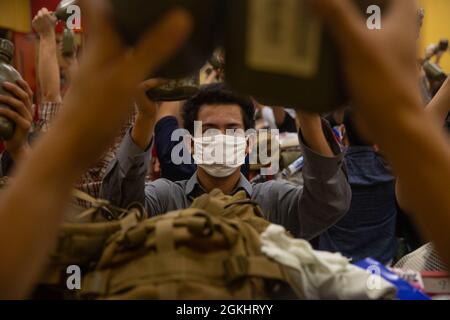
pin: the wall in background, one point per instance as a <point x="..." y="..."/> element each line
<point x="436" y="26"/>
<point x="15" y="15"/>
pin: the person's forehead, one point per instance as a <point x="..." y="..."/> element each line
<point x="221" y="113"/>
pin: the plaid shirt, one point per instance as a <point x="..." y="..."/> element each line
<point x="91" y="181"/>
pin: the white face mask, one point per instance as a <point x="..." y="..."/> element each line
<point x="220" y="155"/>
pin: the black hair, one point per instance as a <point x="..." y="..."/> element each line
<point x="217" y="94"/>
<point x="353" y="136"/>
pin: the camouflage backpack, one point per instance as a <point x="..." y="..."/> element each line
<point x="210" y="251"/>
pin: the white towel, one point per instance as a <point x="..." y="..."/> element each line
<point x="324" y="275"/>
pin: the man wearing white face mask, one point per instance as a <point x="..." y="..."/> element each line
<point x="220" y="155"/>
<point x="219" y="150"/>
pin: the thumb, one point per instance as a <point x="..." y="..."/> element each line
<point x="101" y="34"/>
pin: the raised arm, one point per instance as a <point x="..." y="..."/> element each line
<point x="326" y="194"/>
<point x="48" y="70"/>
<point x="439" y="107"/>
<point x="389" y="106"/>
<point x="124" y="181"/>
<point x="105" y="85"/>
<point x="324" y="197"/>
<point x="313" y="133"/>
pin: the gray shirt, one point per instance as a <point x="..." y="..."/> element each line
<point x="305" y="210"/>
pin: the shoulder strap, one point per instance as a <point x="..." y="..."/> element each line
<point x="113" y="212"/>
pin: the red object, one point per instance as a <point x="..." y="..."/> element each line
<point x="25" y="49"/>
<point x="25" y="60"/>
<point x="37" y="5"/>
<point x="436" y="283"/>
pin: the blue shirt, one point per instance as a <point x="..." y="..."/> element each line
<point x="164" y="147"/>
<point x="368" y="229"/>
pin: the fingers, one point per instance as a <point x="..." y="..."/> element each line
<point x="404" y="13"/>
<point x="17" y="105"/>
<point x="159" y="44"/>
<point x="343" y="15"/>
<point x="21" y="123"/>
<point x="402" y="24"/>
<point x="22" y="104"/>
<point x="101" y="35"/>
<point x="343" y="18"/>
<point x="40" y="14"/>
<point x="44" y="13"/>
<point x="24" y="85"/>
<point x="18" y="92"/>
<point x="22" y="115"/>
<point x="402" y="19"/>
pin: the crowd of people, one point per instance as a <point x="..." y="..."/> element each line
<point x="381" y="160"/>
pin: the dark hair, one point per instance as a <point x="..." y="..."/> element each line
<point x="217" y="94"/>
<point x="353" y="136"/>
